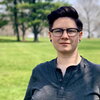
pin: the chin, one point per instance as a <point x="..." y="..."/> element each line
<point x="65" y="51"/>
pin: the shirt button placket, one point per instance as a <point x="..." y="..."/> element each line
<point x="61" y="92"/>
<point x="60" y="80"/>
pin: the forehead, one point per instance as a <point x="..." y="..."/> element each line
<point x="64" y="22"/>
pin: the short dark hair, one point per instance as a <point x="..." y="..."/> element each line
<point x="65" y="11"/>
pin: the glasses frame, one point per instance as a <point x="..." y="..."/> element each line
<point x="67" y="31"/>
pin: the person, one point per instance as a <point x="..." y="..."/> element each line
<point x="69" y="76"/>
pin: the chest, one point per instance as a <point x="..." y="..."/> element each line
<point x="48" y="92"/>
<point x="73" y="86"/>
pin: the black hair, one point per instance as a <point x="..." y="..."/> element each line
<point x="65" y="11"/>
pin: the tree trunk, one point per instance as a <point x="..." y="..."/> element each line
<point x="89" y="33"/>
<point x="88" y="23"/>
<point x="16" y="20"/>
<point x="34" y="26"/>
<point x="23" y="32"/>
<point x="35" y="34"/>
<point x="23" y="28"/>
<point x="36" y="38"/>
<point x="32" y="1"/>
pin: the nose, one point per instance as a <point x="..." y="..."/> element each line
<point x="65" y="35"/>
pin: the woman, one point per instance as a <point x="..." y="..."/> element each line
<point x="69" y="76"/>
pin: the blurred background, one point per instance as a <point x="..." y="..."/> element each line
<point x="27" y="18"/>
<point x="24" y="41"/>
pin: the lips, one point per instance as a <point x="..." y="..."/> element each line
<point x="64" y="43"/>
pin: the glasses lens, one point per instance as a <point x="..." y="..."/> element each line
<point x="57" y="32"/>
<point x="72" y="31"/>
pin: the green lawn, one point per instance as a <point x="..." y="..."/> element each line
<point x="17" y="59"/>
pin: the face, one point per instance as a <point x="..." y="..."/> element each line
<point x="65" y="43"/>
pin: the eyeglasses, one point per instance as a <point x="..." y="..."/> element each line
<point x="59" y="31"/>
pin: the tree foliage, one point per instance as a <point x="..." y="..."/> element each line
<point x="30" y="14"/>
<point x="3" y="20"/>
<point x="89" y="11"/>
<point x="36" y="14"/>
<point x="3" y="17"/>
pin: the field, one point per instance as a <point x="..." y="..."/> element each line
<point x="17" y="59"/>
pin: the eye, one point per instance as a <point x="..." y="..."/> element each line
<point x="72" y="30"/>
<point x="57" y="31"/>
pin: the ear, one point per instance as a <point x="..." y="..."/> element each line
<point x="80" y="35"/>
<point x="49" y="33"/>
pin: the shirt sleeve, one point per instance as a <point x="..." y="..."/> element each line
<point x="29" y="91"/>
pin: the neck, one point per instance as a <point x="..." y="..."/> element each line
<point x="66" y="60"/>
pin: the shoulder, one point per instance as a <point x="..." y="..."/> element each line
<point x="92" y="67"/>
<point x="43" y="71"/>
<point x="45" y="66"/>
<point x="91" y="72"/>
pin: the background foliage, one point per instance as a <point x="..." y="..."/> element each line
<point x="25" y="14"/>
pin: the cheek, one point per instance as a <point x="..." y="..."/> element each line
<point x="75" y="41"/>
<point x="55" y="42"/>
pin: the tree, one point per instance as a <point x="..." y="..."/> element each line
<point x="23" y="19"/>
<point x="15" y="13"/>
<point x="38" y="12"/>
<point x="3" y="20"/>
<point x="32" y="14"/>
<point x="89" y="13"/>
<point x="3" y="16"/>
<point x="12" y="14"/>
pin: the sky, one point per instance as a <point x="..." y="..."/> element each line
<point x="71" y="1"/>
<point x="1" y="7"/>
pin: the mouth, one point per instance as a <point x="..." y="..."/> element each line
<point x="64" y="43"/>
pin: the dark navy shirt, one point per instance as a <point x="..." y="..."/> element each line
<point x="81" y="82"/>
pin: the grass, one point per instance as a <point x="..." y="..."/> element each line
<point x="17" y="59"/>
